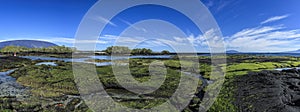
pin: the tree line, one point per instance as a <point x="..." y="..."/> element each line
<point x="64" y="49"/>
<point x="53" y="49"/>
<point x="136" y="51"/>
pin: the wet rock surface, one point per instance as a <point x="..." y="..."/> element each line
<point x="9" y="86"/>
<point x="269" y="91"/>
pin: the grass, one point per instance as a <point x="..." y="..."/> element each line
<point x="47" y="81"/>
<point x="57" y="81"/>
<point x="140" y="73"/>
<point x="293" y="63"/>
<point x="244" y="67"/>
<point x="139" y="70"/>
<point x="8" y="63"/>
<point x="203" y="68"/>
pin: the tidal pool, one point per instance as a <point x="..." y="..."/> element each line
<point x="47" y="63"/>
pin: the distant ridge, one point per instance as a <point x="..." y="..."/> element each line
<point x="232" y="51"/>
<point x="296" y="51"/>
<point x="27" y="43"/>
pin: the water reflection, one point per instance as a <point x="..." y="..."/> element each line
<point x="281" y="69"/>
<point x="85" y="60"/>
<point x="47" y="63"/>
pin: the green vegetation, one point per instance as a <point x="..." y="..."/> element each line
<point x="143" y="51"/>
<point x="55" y="83"/>
<point x="9" y="104"/>
<point x="137" y="51"/>
<point x="165" y="52"/>
<point x="13" y="49"/>
<point x="117" y="50"/>
<point x="139" y="70"/>
<point x="47" y="81"/>
<point x="240" y="65"/>
<point x="188" y="65"/>
<point x="54" y="49"/>
<point x="8" y="63"/>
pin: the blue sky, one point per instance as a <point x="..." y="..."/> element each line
<point x="247" y="25"/>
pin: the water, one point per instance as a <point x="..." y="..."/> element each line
<point x="47" y="63"/>
<point x="281" y="69"/>
<point x="97" y="57"/>
<point x="205" y="82"/>
<point x="79" y="60"/>
<point x="282" y="54"/>
<point x="84" y="60"/>
<point x="127" y="57"/>
<point x="101" y="64"/>
<point x="9" y="86"/>
<point x="55" y="59"/>
<point x="268" y="54"/>
<point x="3" y="75"/>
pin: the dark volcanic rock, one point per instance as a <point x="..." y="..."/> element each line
<point x="269" y="91"/>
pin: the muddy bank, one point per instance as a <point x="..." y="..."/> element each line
<point x="268" y="91"/>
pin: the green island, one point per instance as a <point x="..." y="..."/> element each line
<point x="52" y="88"/>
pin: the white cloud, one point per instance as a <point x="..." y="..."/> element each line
<point x="50" y="39"/>
<point x="275" y="18"/>
<point x="109" y="37"/>
<point x="264" y="39"/>
<point x="133" y="26"/>
<point x="257" y="39"/>
<point x="60" y="40"/>
<point x="256" y="31"/>
<point x="223" y="4"/>
<point x="189" y="43"/>
<point x="71" y="40"/>
<point x="105" y="21"/>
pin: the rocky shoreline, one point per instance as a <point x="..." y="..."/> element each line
<point x="268" y="91"/>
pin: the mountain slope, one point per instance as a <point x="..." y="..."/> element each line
<point x="297" y="51"/>
<point x="27" y="43"/>
<point x="232" y="51"/>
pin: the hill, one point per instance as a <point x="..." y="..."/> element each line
<point x="27" y="43"/>
<point x="296" y="51"/>
<point x="232" y="51"/>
